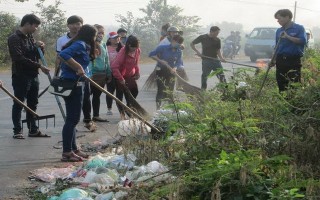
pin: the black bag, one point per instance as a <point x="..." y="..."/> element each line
<point x="62" y="87"/>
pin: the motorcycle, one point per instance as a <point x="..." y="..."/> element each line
<point x="228" y="50"/>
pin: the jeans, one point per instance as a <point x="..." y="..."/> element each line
<point x="25" y="87"/>
<point x="73" y="113"/>
<point x="209" y="65"/>
<point x="86" y="107"/>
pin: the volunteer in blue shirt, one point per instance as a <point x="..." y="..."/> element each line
<point x="76" y="55"/>
<point x="168" y="59"/>
<point x="290" y="49"/>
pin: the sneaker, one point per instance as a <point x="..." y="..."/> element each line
<point x="109" y="112"/>
<point x="91" y="126"/>
<point x="99" y="119"/>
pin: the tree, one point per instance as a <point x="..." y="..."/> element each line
<point x="8" y="24"/>
<point x="53" y="22"/>
<point x="157" y="14"/>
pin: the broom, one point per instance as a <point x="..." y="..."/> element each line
<point x="151" y="82"/>
<point x="182" y="73"/>
<point x="134" y="105"/>
<point x="128" y="109"/>
<point x="188" y="88"/>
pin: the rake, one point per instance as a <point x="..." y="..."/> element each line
<point x="38" y="117"/>
<point x="50" y="79"/>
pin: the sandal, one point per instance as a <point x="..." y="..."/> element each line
<point x="38" y="134"/>
<point x="18" y="136"/>
<point x="71" y="157"/>
<point x="81" y="154"/>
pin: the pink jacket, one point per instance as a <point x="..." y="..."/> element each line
<point x="125" y="65"/>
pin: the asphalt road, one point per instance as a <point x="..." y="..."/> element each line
<point x="19" y="157"/>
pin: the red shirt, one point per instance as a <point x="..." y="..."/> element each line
<point x="126" y="65"/>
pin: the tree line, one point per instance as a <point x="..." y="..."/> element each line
<point x="147" y="27"/>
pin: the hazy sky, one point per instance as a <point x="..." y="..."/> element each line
<point x="250" y="13"/>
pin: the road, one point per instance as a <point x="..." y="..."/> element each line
<point x="19" y="157"/>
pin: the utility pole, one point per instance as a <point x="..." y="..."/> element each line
<point x="295" y="11"/>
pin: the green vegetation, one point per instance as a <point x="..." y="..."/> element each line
<point x="238" y="145"/>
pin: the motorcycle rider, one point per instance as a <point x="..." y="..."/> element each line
<point x="237" y="42"/>
<point x="230" y="42"/>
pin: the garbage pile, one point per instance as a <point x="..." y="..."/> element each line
<point x="106" y="175"/>
<point x="102" y="177"/>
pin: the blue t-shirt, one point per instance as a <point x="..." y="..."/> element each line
<point x="79" y="51"/>
<point x="287" y="47"/>
<point x="169" y="54"/>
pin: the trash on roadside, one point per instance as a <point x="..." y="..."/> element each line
<point x="133" y="126"/>
<point x="51" y="174"/>
<point x="73" y="194"/>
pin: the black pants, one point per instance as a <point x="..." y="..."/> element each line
<point x="165" y="83"/>
<point x="131" y="83"/>
<point x="100" y="79"/>
<point x="288" y="70"/>
<point x="24" y="87"/>
<point x="86" y="102"/>
<point x="111" y="87"/>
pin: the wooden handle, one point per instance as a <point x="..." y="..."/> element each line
<point x="19" y="102"/>
<point x="121" y="103"/>
<point x="236" y="63"/>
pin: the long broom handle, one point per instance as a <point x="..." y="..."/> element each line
<point x="236" y="63"/>
<point x="269" y="66"/>
<point x="44" y="62"/>
<point x="19" y="102"/>
<point x="121" y="103"/>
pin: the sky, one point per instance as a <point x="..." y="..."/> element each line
<point x="250" y="13"/>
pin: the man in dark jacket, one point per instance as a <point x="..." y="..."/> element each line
<point x="25" y="70"/>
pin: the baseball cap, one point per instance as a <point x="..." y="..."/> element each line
<point x="113" y="35"/>
<point x="121" y="30"/>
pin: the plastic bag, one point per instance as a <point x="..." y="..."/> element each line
<point x="74" y="194"/>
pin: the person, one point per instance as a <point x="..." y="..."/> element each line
<point x="231" y="40"/>
<point x="123" y="35"/>
<point x="25" y="70"/>
<point x="75" y="56"/>
<point x="168" y="59"/>
<point x="74" y="23"/>
<point x="172" y="31"/>
<point x="211" y="50"/>
<point x="237" y="42"/>
<point x="113" y="47"/>
<point x="98" y="68"/>
<point x="292" y="38"/>
<point x="125" y="69"/>
<point x="164" y="31"/>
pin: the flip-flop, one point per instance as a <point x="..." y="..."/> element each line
<point x="39" y="134"/>
<point x="71" y="158"/>
<point x="18" y="136"/>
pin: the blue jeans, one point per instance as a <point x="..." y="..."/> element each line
<point x="209" y="65"/>
<point x="73" y="113"/>
<point x="24" y="87"/>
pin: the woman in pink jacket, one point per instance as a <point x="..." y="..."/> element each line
<point x="126" y="71"/>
